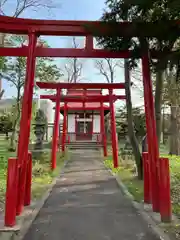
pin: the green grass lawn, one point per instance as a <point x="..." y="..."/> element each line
<point x="4" y="155"/>
<point x="127" y="176"/>
<point x="135" y="186"/>
<point x="175" y="183"/>
<point x="42" y="174"/>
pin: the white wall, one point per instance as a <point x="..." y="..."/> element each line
<point x="71" y="123"/>
<point x="96" y="124"/>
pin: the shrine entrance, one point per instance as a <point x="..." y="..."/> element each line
<point x="19" y="175"/>
<point x="84" y="126"/>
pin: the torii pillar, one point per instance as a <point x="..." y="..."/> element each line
<point x="113" y="130"/>
<point x="55" y="130"/>
<point x="103" y="133"/>
<point x="26" y="121"/>
<point x="153" y="150"/>
<point x="64" y="134"/>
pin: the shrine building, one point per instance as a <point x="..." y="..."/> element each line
<point x="84" y="118"/>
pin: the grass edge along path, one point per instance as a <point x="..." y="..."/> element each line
<point x="43" y="176"/>
<point x="128" y="177"/>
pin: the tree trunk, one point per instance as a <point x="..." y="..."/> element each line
<point x="175" y="131"/>
<point x="158" y="103"/>
<point x="174" y="147"/>
<point x="12" y="141"/>
<point x="12" y="138"/>
<point x="178" y="129"/>
<point x="2" y="40"/>
<point x="16" y="120"/>
<point x="7" y="136"/>
<point x="1" y="93"/>
<point x="131" y="133"/>
<point x="163" y="126"/>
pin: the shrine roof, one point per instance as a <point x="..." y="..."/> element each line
<point x="81" y="92"/>
<point x="89" y="106"/>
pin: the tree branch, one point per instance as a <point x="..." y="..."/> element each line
<point x="73" y="67"/>
<point x="99" y="64"/>
<point x="22" y="5"/>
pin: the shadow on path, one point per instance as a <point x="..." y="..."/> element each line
<point x="87" y="204"/>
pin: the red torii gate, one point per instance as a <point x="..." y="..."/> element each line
<point x="34" y="28"/>
<point x="90" y="98"/>
<point x="96" y="98"/>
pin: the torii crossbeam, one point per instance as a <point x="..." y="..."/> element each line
<point x="62" y="85"/>
<point x="91" y="98"/>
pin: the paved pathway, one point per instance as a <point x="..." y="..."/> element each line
<point x="86" y="204"/>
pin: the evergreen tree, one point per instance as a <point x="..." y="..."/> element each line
<point x="148" y="18"/>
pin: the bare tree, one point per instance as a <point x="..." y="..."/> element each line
<point x="131" y="132"/>
<point x="2" y="60"/>
<point x="107" y="68"/>
<point x="19" y="6"/>
<point x="73" y="66"/>
<point x="136" y="76"/>
<point x="171" y="98"/>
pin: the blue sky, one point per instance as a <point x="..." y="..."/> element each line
<point x="70" y="10"/>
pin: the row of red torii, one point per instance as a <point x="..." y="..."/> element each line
<point x="111" y="98"/>
<point x="18" y="192"/>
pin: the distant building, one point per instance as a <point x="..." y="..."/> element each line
<point x="6" y="105"/>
